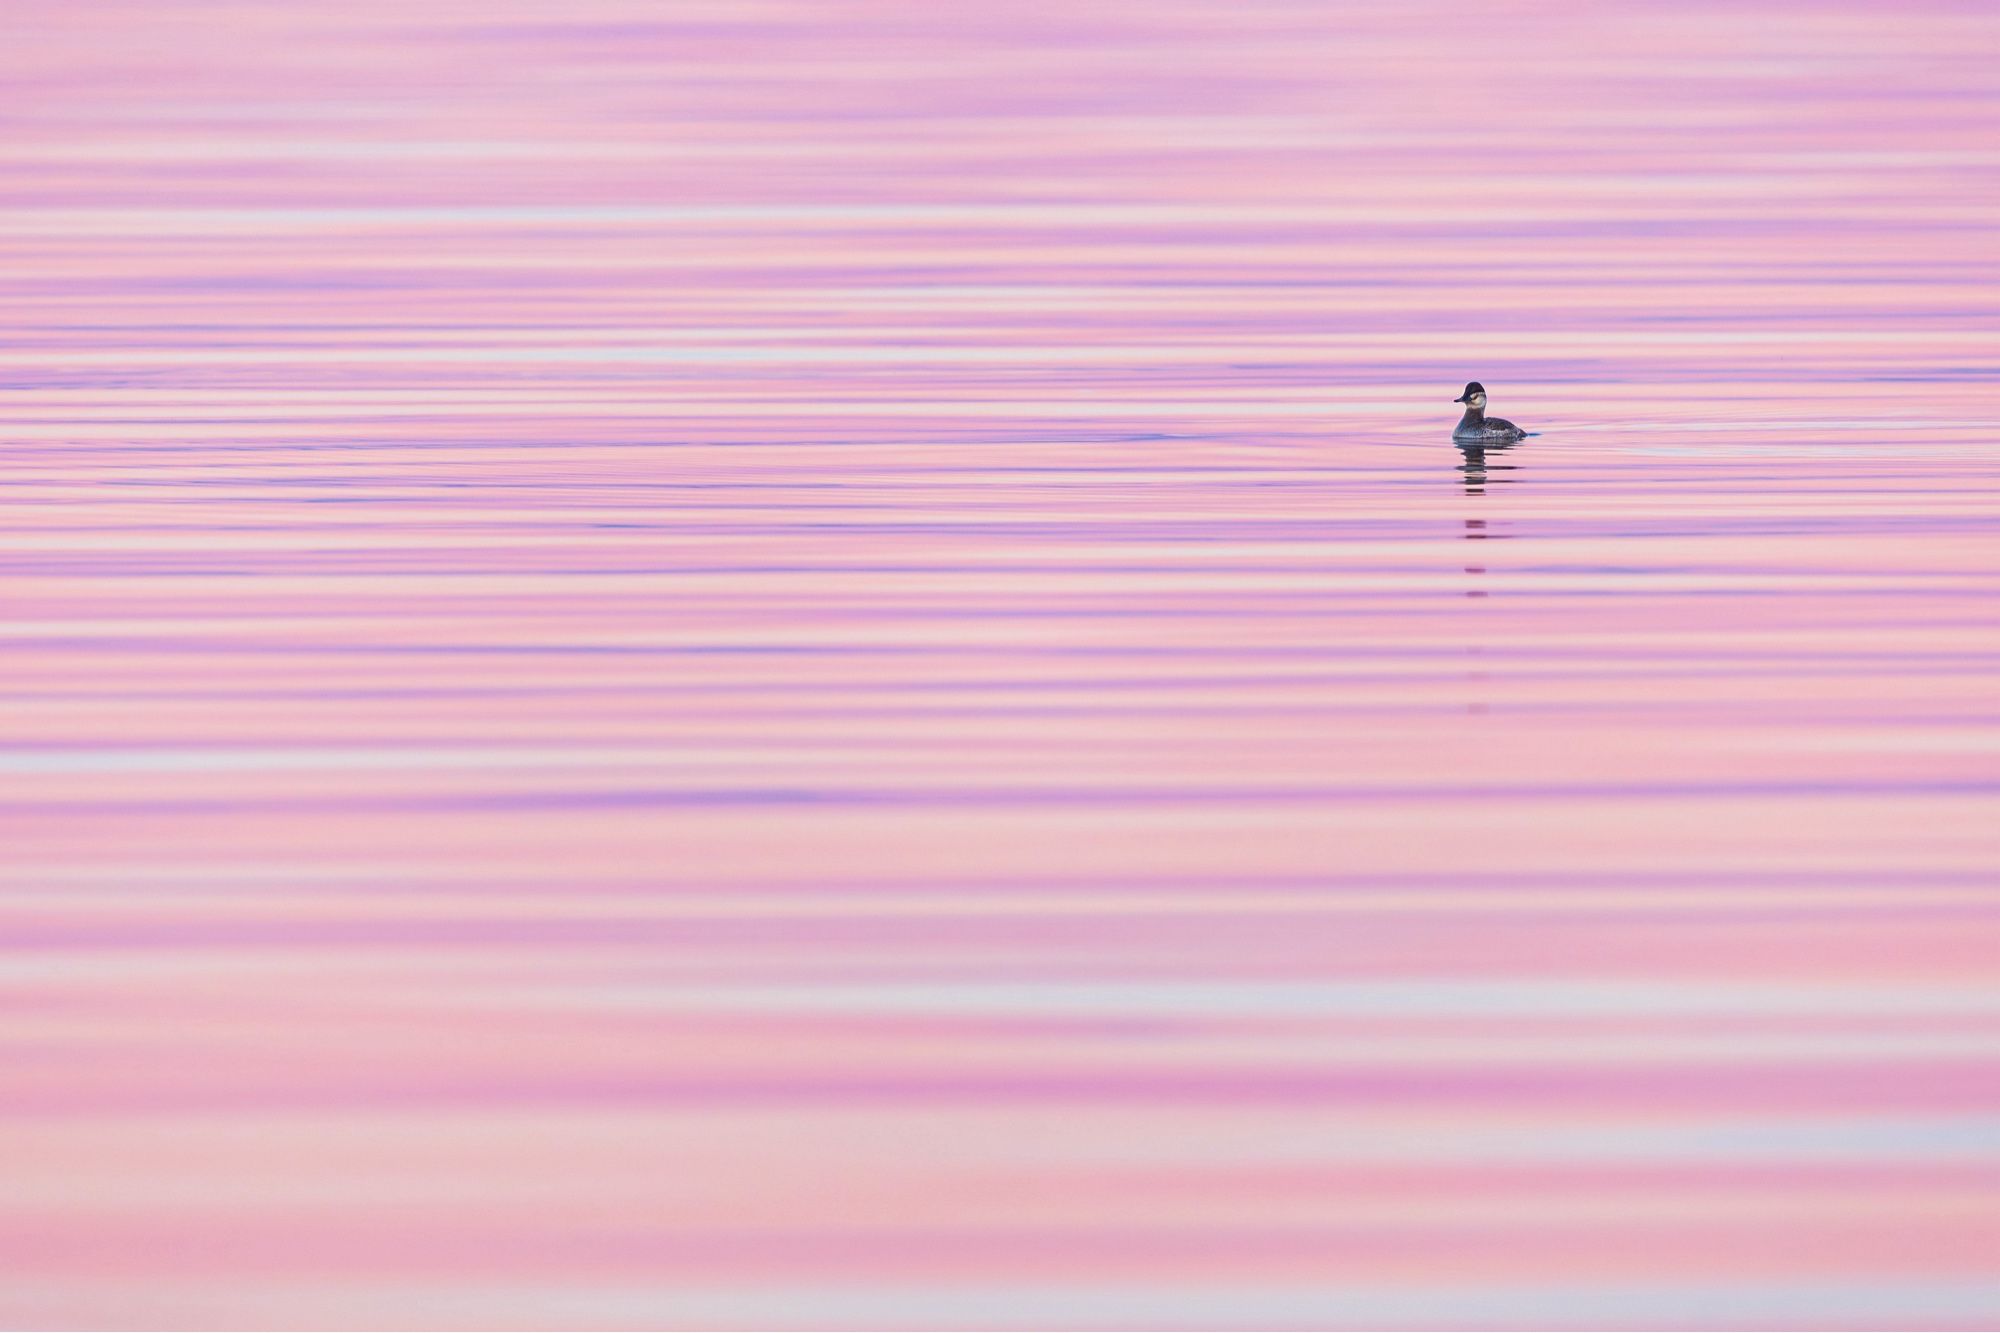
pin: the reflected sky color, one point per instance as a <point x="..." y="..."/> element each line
<point x="826" y="664"/>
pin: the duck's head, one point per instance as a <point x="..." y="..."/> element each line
<point x="1474" y="395"/>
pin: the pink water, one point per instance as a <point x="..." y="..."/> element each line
<point x="803" y="664"/>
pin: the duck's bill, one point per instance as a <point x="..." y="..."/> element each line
<point x="1464" y="397"/>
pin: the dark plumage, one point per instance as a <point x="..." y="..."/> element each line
<point x="1475" y="427"/>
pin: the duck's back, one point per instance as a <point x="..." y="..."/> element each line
<point x="1491" y="428"/>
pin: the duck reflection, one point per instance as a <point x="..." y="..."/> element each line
<point x="1479" y="464"/>
<point x="1477" y="467"/>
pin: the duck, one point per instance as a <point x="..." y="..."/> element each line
<point x="1475" y="427"/>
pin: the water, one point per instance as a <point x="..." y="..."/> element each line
<point x="798" y="664"/>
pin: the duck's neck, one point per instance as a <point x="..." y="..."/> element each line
<point x="1473" y="416"/>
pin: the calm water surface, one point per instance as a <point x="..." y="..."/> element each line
<point x="826" y="664"/>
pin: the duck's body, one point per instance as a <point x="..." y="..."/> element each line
<point x="1475" y="427"/>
